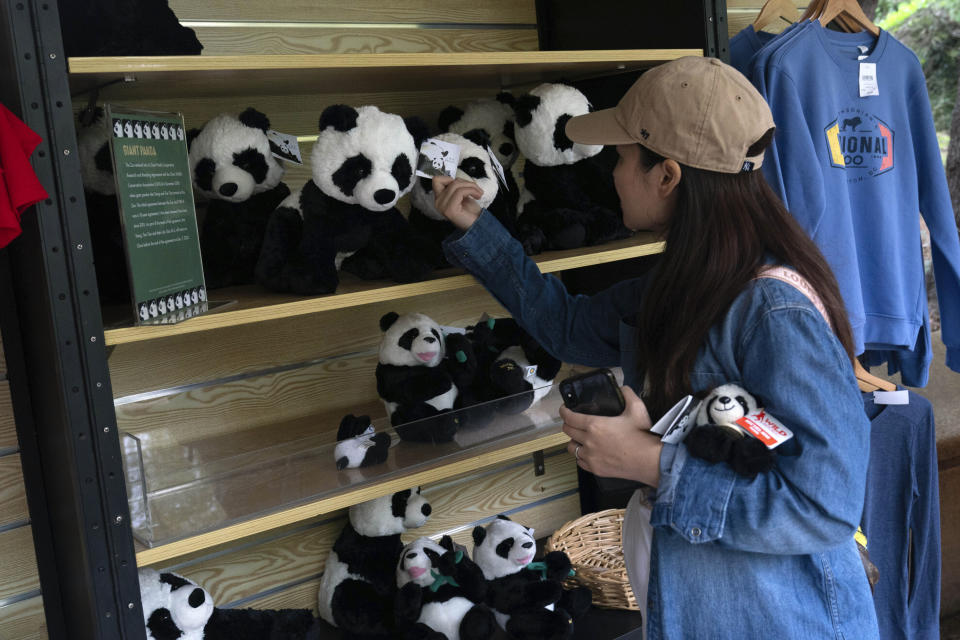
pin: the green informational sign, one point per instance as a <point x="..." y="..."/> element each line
<point x="159" y="221"/>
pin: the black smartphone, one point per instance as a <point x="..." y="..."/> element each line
<point x="595" y="392"/>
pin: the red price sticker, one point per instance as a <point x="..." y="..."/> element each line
<point x="765" y="428"/>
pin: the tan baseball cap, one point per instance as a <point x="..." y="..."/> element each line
<point x="698" y="111"/>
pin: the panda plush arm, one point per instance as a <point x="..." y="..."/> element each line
<point x="522" y="590"/>
<point x="411" y="384"/>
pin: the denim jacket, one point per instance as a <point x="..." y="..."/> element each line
<point x="771" y="557"/>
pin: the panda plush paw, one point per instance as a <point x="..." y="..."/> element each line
<point x="358" y="445"/>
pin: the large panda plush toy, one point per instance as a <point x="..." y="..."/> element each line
<point x="103" y="212"/>
<point x="441" y="591"/>
<point x="358" y="586"/>
<point x="575" y="202"/>
<point x="528" y="600"/>
<point x="240" y="180"/>
<point x="474" y="165"/>
<point x="420" y="376"/>
<point x="345" y="216"/>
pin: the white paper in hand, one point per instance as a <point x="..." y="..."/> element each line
<point x="438" y="158"/>
<point x="676" y="423"/>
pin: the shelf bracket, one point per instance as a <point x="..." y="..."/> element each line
<point x="539" y="464"/>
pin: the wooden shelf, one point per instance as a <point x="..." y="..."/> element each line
<point x="254" y="304"/>
<point x="194" y="76"/>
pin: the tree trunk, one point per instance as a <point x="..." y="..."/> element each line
<point x="869" y="8"/>
<point x="953" y="158"/>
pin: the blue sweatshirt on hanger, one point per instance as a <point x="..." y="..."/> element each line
<point x="745" y="45"/>
<point x="855" y="171"/>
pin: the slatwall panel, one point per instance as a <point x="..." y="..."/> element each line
<point x="19" y="568"/>
<point x="741" y="13"/>
<point x="8" y="434"/>
<point x="23" y="620"/>
<point x="13" y="499"/>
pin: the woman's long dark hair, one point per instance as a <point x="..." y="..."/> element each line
<point x="724" y="227"/>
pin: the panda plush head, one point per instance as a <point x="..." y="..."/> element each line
<point x="474" y="166"/>
<point x="503" y="547"/>
<point x="173" y="607"/>
<point x="93" y="145"/>
<point x="364" y="156"/>
<point x="410" y="340"/>
<point x="230" y="157"/>
<point x="492" y="117"/>
<point x="541" y="118"/>
<point x="416" y="561"/>
<point x="391" y="514"/>
<point x="725" y="405"/>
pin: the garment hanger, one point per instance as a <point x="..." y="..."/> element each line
<point x="869" y="382"/>
<point x="774" y="9"/>
<point x="847" y="12"/>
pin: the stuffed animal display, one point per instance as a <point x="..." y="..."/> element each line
<point x="358" y="444"/>
<point x="359" y="584"/>
<point x="234" y="170"/>
<point x="345" y="216"/>
<point x="717" y="438"/>
<point x="528" y="599"/>
<point x="441" y="591"/>
<point x="575" y="202"/>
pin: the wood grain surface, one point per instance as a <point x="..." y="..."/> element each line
<point x="18" y="562"/>
<point x="8" y="432"/>
<point x="13" y="497"/>
<point x="23" y="620"/>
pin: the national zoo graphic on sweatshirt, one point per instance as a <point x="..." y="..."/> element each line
<point x="860" y="141"/>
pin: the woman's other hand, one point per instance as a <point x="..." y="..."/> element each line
<point x="457" y="199"/>
<point x="617" y="447"/>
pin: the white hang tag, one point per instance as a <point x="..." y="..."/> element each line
<point x="284" y="146"/>
<point x="765" y="428"/>
<point x="891" y="397"/>
<point x="448" y="330"/>
<point x="497" y="167"/>
<point x="438" y="158"/>
<point x="676" y="423"/>
<point x="868" y="79"/>
<point x="530" y="372"/>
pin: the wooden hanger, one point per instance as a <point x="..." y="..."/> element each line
<point x="774" y="9"/>
<point x="869" y="382"/>
<point x="847" y="13"/>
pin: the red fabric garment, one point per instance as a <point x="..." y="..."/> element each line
<point x="19" y="186"/>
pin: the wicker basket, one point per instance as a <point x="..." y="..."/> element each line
<point x="594" y="545"/>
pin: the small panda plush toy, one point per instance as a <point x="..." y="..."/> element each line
<point x="575" y="202"/>
<point x="346" y="215"/>
<point x="420" y="374"/>
<point x="358" y="586"/>
<point x="240" y="179"/>
<point x="441" y="589"/>
<point x="717" y="438"/>
<point x="358" y="445"/>
<point x="103" y="213"/>
<point x="474" y="166"/>
<point x="528" y="599"/>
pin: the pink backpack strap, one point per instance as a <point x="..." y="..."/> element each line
<point x="798" y="282"/>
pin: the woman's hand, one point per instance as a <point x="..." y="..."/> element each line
<point x="618" y="447"/>
<point x="457" y="199"/>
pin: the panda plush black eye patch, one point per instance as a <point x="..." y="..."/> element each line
<point x="406" y="340"/>
<point x="560" y="139"/>
<point x="253" y="162"/>
<point x="203" y="174"/>
<point x="351" y="172"/>
<point x="474" y="167"/>
<point x="102" y="160"/>
<point x="503" y="549"/>
<point x="402" y="171"/>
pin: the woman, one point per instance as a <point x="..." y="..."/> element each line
<point x="767" y="557"/>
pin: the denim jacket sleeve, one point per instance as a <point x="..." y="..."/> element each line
<point x="576" y="329"/>
<point x="813" y="499"/>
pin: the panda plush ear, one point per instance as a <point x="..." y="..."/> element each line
<point x="191" y="136"/>
<point x="388" y="319"/>
<point x="448" y="116"/>
<point x="253" y="118"/>
<point x="500" y="516"/>
<point x="478" y="136"/>
<point x="524" y="108"/>
<point x="341" y="117"/>
<point x="479" y="533"/>
<point x="418" y="129"/>
<point x="447" y="543"/>
<point x="507" y="98"/>
<point x="399" y="503"/>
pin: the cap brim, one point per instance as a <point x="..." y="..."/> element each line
<point x="599" y="127"/>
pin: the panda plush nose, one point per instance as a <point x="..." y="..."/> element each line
<point x="228" y="189"/>
<point x="383" y="196"/>
<point x="426" y="509"/>
<point x="724" y="400"/>
<point x="506" y="149"/>
<point x="196" y="598"/>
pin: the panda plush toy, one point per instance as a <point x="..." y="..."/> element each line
<point x="575" y="202"/>
<point x="345" y="216"/>
<point x="717" y="438"/>
<point x="103" y="212"/>
<point x="528" y="599"/>
<point x="175" y="608"/>
<point x="236" y="174"/>
<point x="420" y="375"/>
<point x="358" y="586"/>
<point x="491" y="116"/>
<point x="474" y="165"/>
<point x="441" y="594"/>
<point x="358" y="444"/>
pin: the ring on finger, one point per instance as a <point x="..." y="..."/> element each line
<point x="576" y="452"/>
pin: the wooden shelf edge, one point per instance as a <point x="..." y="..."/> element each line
<point x="564" y="261"/>
<point x="300" y="513"/>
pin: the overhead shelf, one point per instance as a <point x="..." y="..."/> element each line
<point x="137" y="78"/>
<point x="254" y="304"/>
